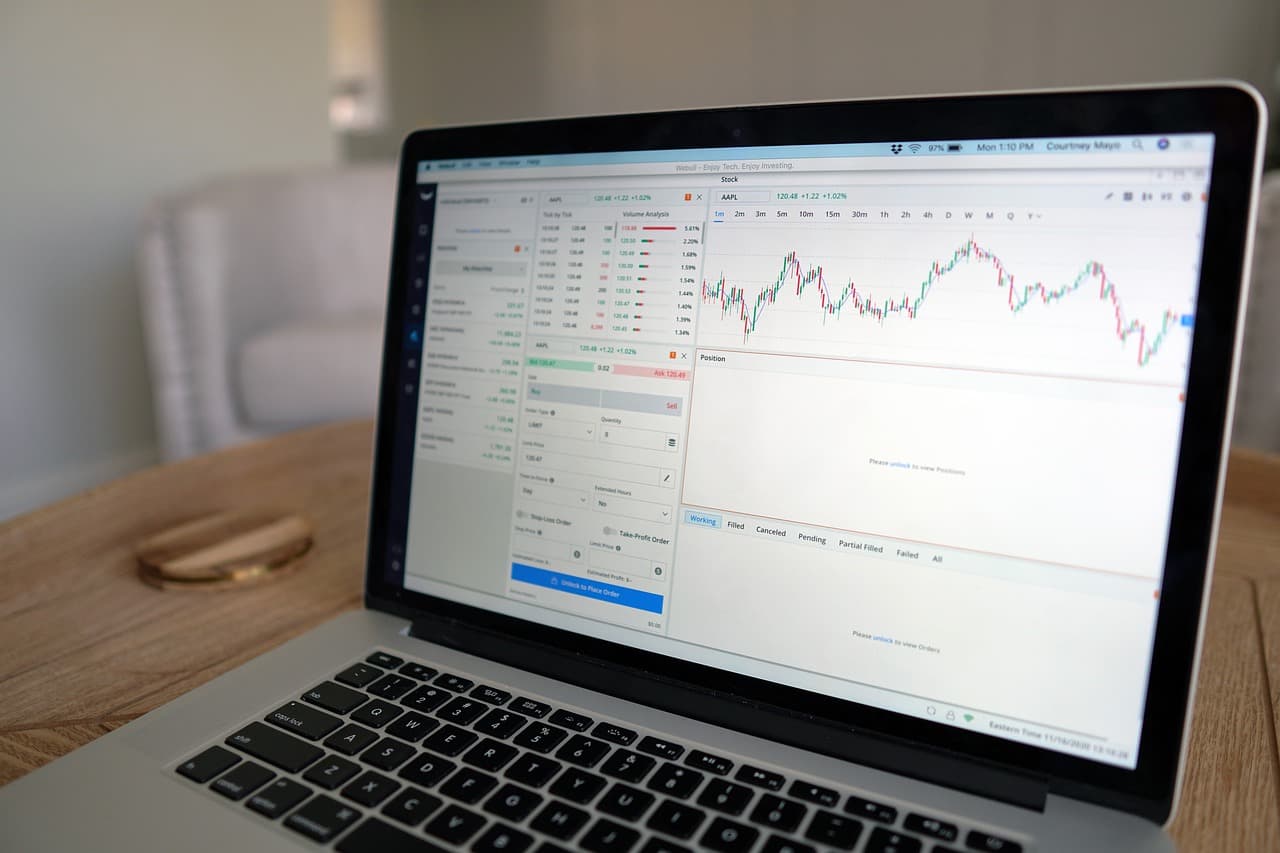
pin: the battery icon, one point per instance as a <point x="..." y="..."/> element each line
<point x="954" y="146"/>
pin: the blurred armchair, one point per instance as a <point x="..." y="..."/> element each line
<point x="262" y="302"/>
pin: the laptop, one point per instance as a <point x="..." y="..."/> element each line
<point x="836" y="476"/>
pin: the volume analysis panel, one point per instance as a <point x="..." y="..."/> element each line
<point x="618" y="265"/>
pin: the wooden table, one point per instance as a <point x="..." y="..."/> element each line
<point x="85" y="647"/>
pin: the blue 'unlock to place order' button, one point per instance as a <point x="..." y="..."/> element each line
<point x="639" y="599"/>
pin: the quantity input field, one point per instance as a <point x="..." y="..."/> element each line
<point x="648" y="439"/>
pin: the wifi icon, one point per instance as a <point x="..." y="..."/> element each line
<point x="913" y="147"/>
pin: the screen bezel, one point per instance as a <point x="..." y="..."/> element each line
<point x="1228" y="111"/>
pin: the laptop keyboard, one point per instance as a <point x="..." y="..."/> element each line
<point x="393" y="755"/>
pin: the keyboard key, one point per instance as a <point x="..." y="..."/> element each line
<point x="322" y="818"/>
<point x="832" y="830"/>
<point x="468" y="786"/>
<point x="391" y="686"/>
<point x="530" y="707"/>
<point x="302" y="720"/>
<point x="513" y="802"/>
<point x="570" y="720"/>
<point x="492" y="695"/>
<point x="884" y="840"/>
<point x="426" y="698"/>
<point x="426" y="769"/>
<point x="500" y="723"/>
<point x="358" y="675"/>
<point x="331" y="772"/>
<point x="625" y="802"/>
<point x="455" y="824"/>
<point x="462" y="710"/>
<point x="278" y="797"/>
<point x="533" y="770"/>
<point x="583" y="751"/>
<point x="370" y="788"/>
<point x="350" y="739"/>
<point x="384" y="660"/>
<point x="450" y="740"/>
<point x="675" y="781"/>
<point x="930" y="826"/>
<point x="725" y="796"/>
<point x="490" y="754"/>
<point x="661" y="845"/>
<point x="578" y="785"/>
<point x="608" y="837"/>
<point x="500" y="838"/>
<point x="778" y="844"/>
<point x="760" y="778"/>
<point x="777" y="813"/>
<point x="412" y="727"/>
<point x="420" y="671"/>
<point x="676" y="819"/>
<point x="377" y="713"/>
<point x="335" y="697"/>
<point x="627" y="765"/>
<point x="559" y="820"/>
<point x="275" y="747"/>
<point x="976" y="840"/>
<point x="548" y="847"/>
<point x="870" y="810"/>
<point x="660" y="748"/>
<point x="540" y="737"/>
<point x="615" y="734"/>
<point x="411" y="806"/>
<point x="454" y="682"/>
<point x="239" y="782"/>
<point x="388" y="754"/>
<point x="377" y="836"/>
<point x="814" y="794"/>
<point x="711" y="763"/>
<point x="207" y="764"/>
<point x="729" y="837"/>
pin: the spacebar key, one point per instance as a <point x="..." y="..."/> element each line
<point x="374" y="836"/>
<point x="275" y="747"/>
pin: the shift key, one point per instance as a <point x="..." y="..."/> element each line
<point x="274" y="747"/>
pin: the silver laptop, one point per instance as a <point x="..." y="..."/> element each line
<point x="836" y="476"/>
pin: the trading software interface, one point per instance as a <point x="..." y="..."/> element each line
<point x="893" y="422"/>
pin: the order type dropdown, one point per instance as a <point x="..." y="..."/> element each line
<point x="563" y="427"/>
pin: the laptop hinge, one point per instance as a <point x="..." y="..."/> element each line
<point x="784" y="725"/>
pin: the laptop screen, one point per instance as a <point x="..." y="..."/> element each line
<point x="892" y="422"/>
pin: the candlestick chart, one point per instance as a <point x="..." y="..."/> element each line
<point x="968" y="301"/>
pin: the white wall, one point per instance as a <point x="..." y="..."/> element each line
<point x="457" y="61"/>
<point x="102" y="107"/>
<point x="666" y="53"/>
